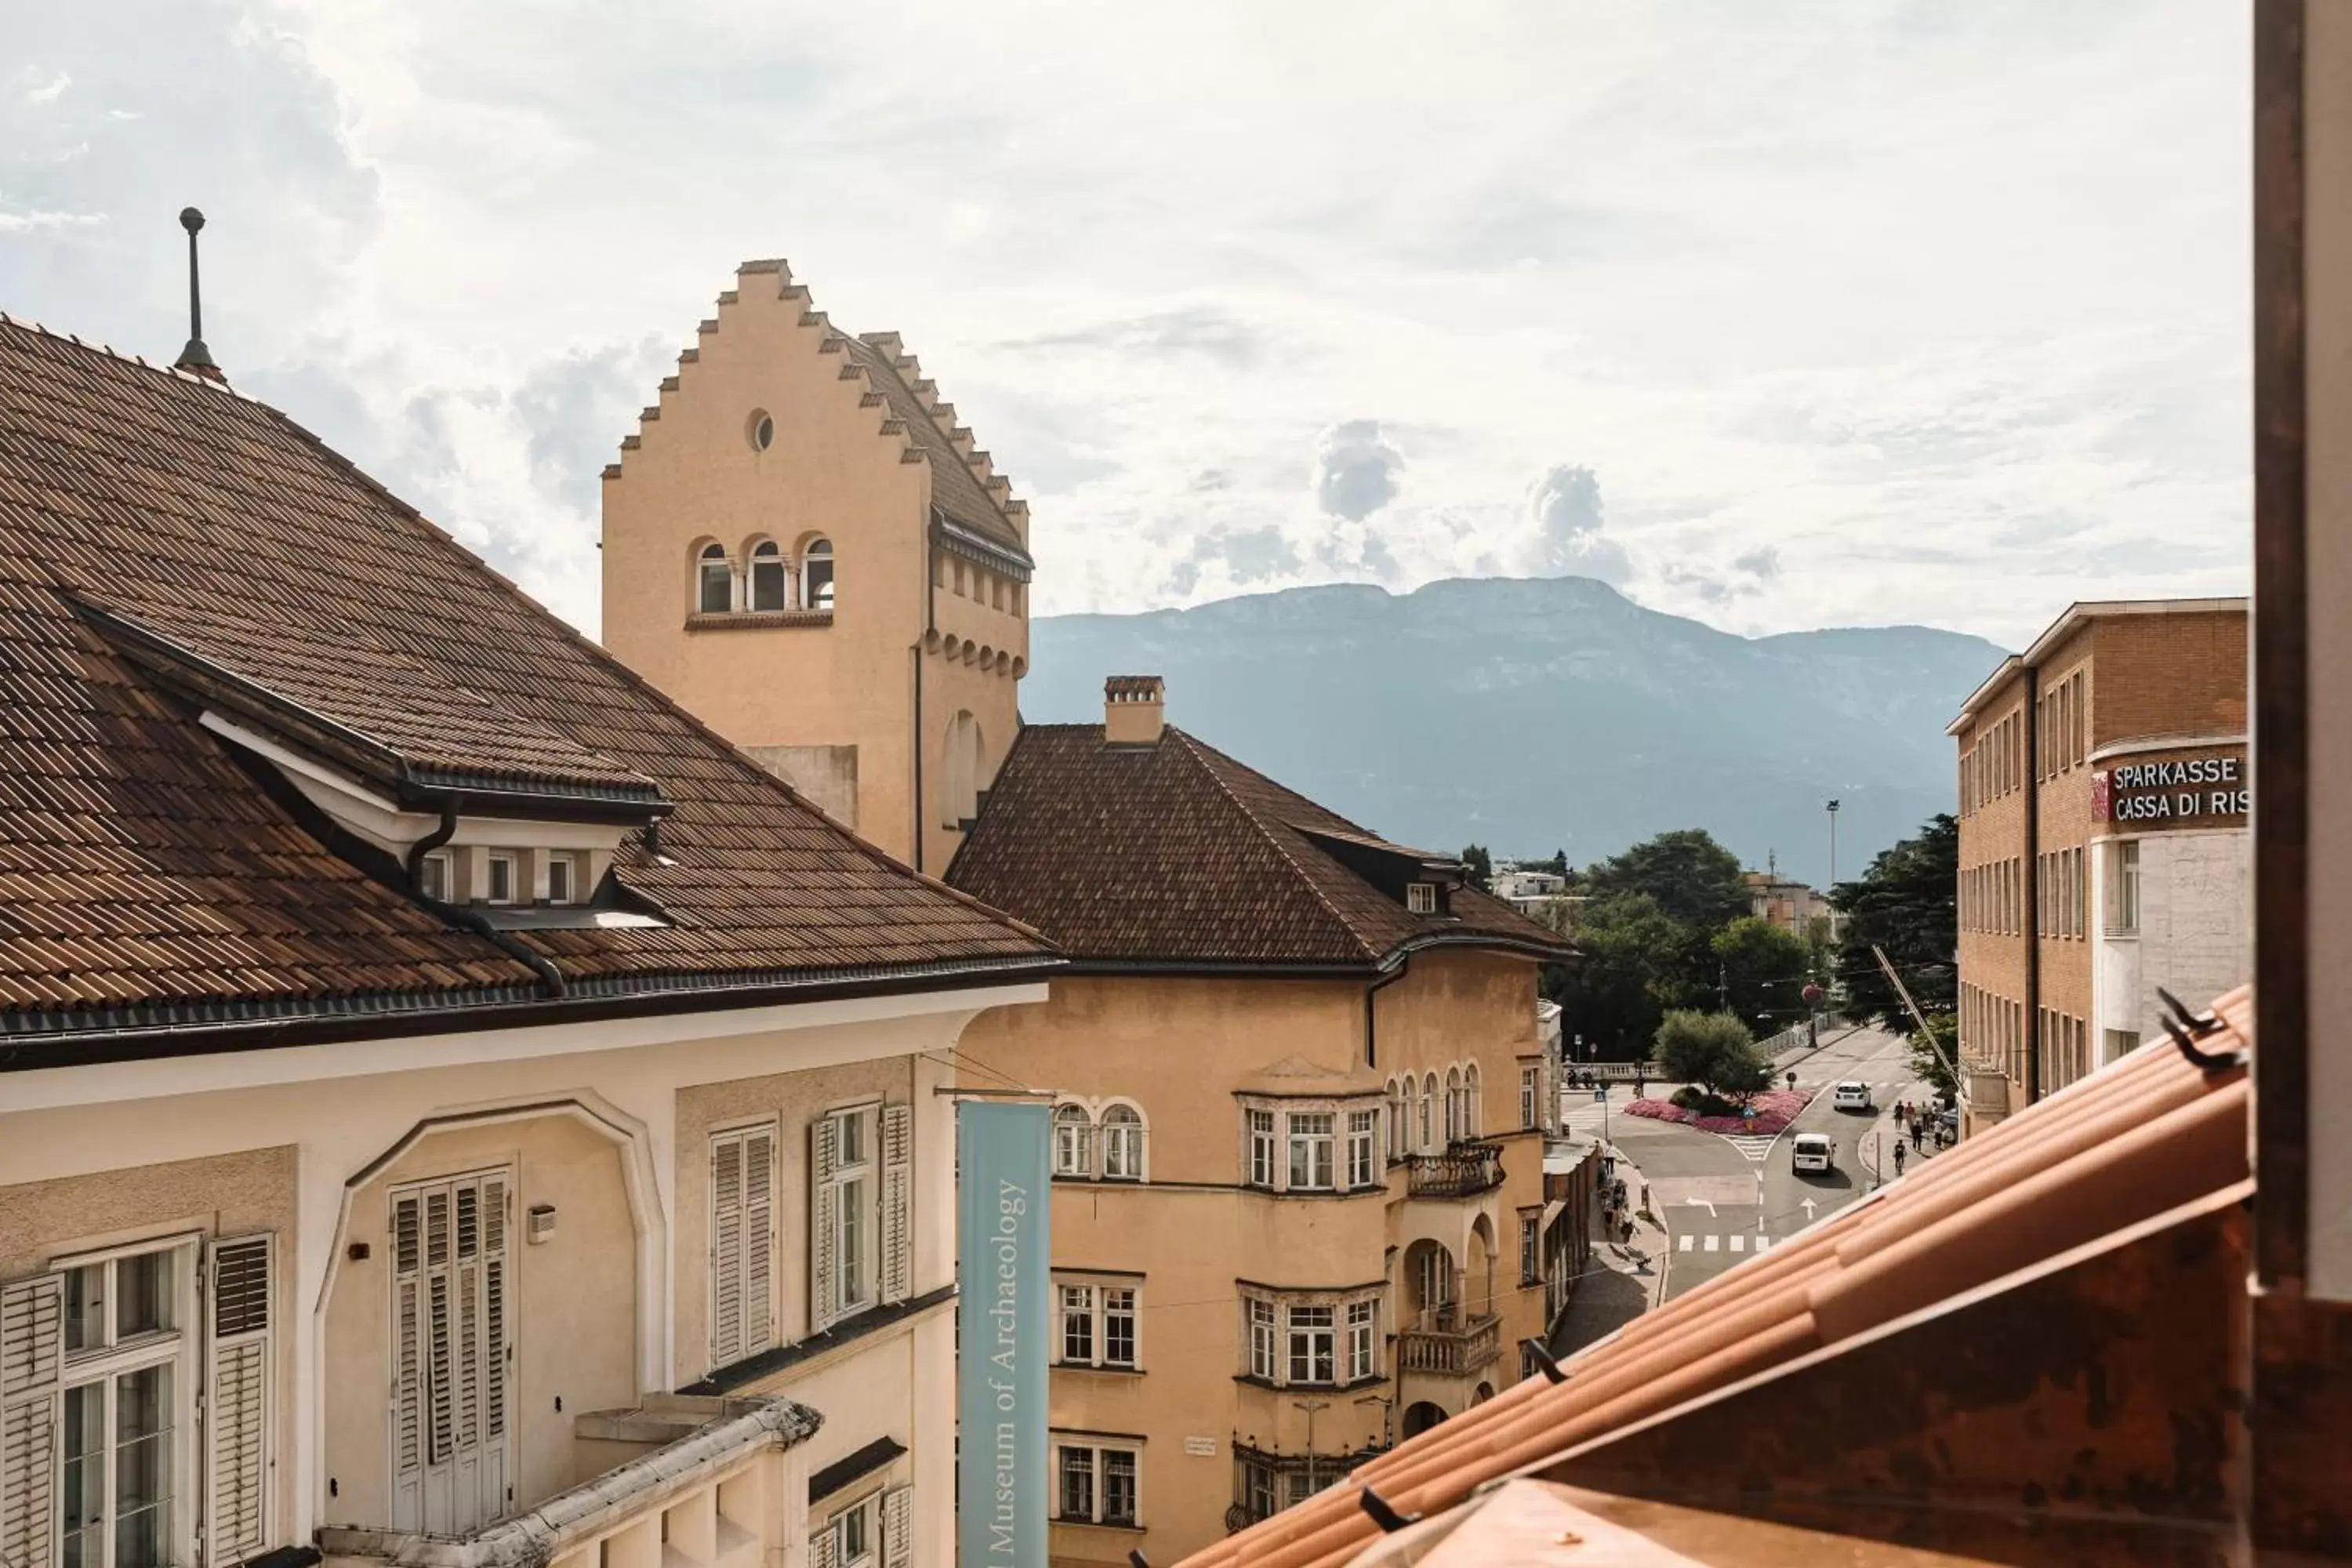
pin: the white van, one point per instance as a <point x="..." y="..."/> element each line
<point x="1813" y="1151"/>
<point x="1853" y="1095"/>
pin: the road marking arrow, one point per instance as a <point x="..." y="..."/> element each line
<point x="1704" y="1203"/>
<point x="1809" y="1211"/>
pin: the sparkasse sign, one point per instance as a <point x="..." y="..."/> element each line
<point x="2190" y="788"/>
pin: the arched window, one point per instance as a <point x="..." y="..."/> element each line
<point x="1428" y="1102"/>
<point x="1470" y="1117"/>
<point x="1122" y="1143"/>
<point x="816" y="575"/>
<point x="714" y="582"/>
<point x="1453" y="1104"/>
<point x="1073" y="1138"/>
<point x="768" y="587"/>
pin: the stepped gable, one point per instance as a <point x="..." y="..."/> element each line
<point x="1175" y="853"/>
<point x="154" y="527"/>
<point x="2090" y="1167"/>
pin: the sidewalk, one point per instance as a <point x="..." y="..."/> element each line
<point x="1620" y="1283"/>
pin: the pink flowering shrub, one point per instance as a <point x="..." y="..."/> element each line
<point x="1775" y="1109"/>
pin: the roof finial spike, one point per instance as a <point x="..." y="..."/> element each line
<point x="195" y="358"/>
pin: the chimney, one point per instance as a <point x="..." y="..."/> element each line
<point x="196" y="357"/>
<point x="1132" y="706"/>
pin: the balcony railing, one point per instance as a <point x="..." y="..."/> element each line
<point x="702" y="1483"/>
<point x="1450" y="1347"/>
<point x="1463" y="1171"/>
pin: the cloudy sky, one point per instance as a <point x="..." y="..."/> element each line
<point x="1778" y="315"/>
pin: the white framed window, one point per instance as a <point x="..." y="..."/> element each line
<point x="562" y="879"/>
<point x="861" y="1216"/>
<point x="1363" y="1143"/>
<point x="769" y="588"/>
<point x="1454" y="1129"/>
<point x="1530" y="1250"/>
<point x="1098" y="1483"/>
<point x="1073" y="1141"/>
<point x="1122" y="1143"/>
<point x="1530" y="1099"/>
<point x="1100" y="1324"/>
<point x="1428" y="1106"/>
<point x="1261" y="1148"/>
<point x="742" y="1243"/>
<point x="816" y="574"/>
<point x="714" y="580"/>
<point x="433" y="877"/>
<point x="1310" y="1137"/>
<point x="1474" y="1120"/>
<point x="500" y="881"/>
<point x="2123" y="888"/>
<point x="1421" y="898"/>
<point x="1261" y="1338"/>
<point x="1312" y="1346"/>
<point x="878" y="1531"/>
<point x="1363" y="1340"/>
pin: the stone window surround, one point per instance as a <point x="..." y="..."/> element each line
<point x="1340" y="1300"/>
<point x="1338" y="1106"/>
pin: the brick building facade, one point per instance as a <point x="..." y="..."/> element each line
<point x="2103" y="785"/>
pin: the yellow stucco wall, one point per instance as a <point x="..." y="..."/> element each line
<point x="1180" y="1049"/>
<point x="573" y="1308"/>
<point x="829" y="471"/>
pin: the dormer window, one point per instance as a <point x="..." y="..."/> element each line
<point x="500" y="879"/>
<point x="768" y="589"/>
<point x="715" y="593"/>
<point x="433" y="877"/>
<point x="1421" y="898"/>
<point x="816" y="575"/>
<point x="561" y="880"/>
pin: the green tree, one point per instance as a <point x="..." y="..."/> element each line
<point x="1927" y="1062"/>
<point x="1712" y="1051"/>
<point x="1557" y="865"/>
<point x="1480" y="864"/>
<point x="1905" y="904"/>
<point x="1630" y="967"/>
<point x="1693" y="879"/>
<point x="1762" y="970"/>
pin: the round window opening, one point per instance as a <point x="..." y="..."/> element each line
<point x="762" y="430"/>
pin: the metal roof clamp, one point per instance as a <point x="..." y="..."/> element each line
<point x="1387" y="1519"/>
<point x="2187" y="1028"/>
<point x="1533" y="1349"/>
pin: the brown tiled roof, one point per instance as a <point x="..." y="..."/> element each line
<point x="955" y="488"/>
<point x="153" y="525"/>
<point x="1175" y="853"/>
<point x="2144" y="1138"/>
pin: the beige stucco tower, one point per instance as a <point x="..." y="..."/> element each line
<point x="805" y="548"/>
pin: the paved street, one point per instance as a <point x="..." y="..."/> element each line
<point x="1723" y="1200"/>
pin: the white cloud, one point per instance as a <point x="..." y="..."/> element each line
<point x="1942" y="306"/>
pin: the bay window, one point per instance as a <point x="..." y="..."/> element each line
<point x="1311" y="1150"/>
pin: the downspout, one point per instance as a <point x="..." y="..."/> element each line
<point x="930" y="625"/>
<point x="551" y="979"/>
<point x="2030" y="894"/>
<point x="1372" y="1010"/>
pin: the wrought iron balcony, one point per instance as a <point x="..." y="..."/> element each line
<point x="1465" y="1170"/>
<point x="1445" y="1344"/>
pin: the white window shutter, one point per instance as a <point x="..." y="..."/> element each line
<point x="236" y="1400"/>
<point x="32" y="1352"/>
<point x="758" y="1271"/>
<point x="824" y="1191"/>
<point x="897" y="1202"/>
<point x="726" y="1249"/>
<point x="821" y="1552"/>
<point x="408" y="1362"/>
<point x="898" y="1527"/>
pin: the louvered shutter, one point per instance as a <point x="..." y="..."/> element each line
<point x="898" y="1527"/>
<point x="897" y="1202"/>
<point x="32" y="1351"/>
<point x="237" y="1401"/>
<point x="823" y="1198"/>
<point x="823" y="1553"/>
<point x="759" y="1268"/>
<point x="408" y="1362"/>
<point x="726" y="1249"/>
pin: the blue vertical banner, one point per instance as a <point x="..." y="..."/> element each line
<point x="1001" y="1212"/>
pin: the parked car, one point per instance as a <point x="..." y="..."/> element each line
<point x="1853" y="1095"/>
<point x="1813" y="1151"/>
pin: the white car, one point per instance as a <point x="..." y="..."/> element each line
<point x="1853" y="1095"/>
<point x="1813" y="1151"/>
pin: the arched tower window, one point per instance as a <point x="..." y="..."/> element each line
<point x="1122" y="1143"/>
<point x="768" y="585"/>
<point x="714" y="581"/>
<point x="1453" y="1104"/>
<point x="1074" y="1153"/>
<point x="1428" y="1099"/>
<point x="816" y="575"/>
<point x="1470" y="1118"/>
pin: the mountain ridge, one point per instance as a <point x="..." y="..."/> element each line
<point x="1535" y="713"/>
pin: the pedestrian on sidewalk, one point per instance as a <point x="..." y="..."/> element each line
<point x="1917" y="1129"/>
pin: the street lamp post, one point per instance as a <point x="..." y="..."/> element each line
<point x="1310" y="1406"/>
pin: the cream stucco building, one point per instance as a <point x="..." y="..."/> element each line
<point x="454" y="1108"/>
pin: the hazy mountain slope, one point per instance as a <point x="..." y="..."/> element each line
<point x="1554" y="713"/>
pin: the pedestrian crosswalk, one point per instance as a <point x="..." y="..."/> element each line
<point x="1589" y="1117"/>
<point x="1742" y="1241"/>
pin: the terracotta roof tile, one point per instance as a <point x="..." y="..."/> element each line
<point x="2141" y="1139"/>
<point x="1176" y="853"/>
<point x="142" y="864"/>
<point x="955" y="488"/>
